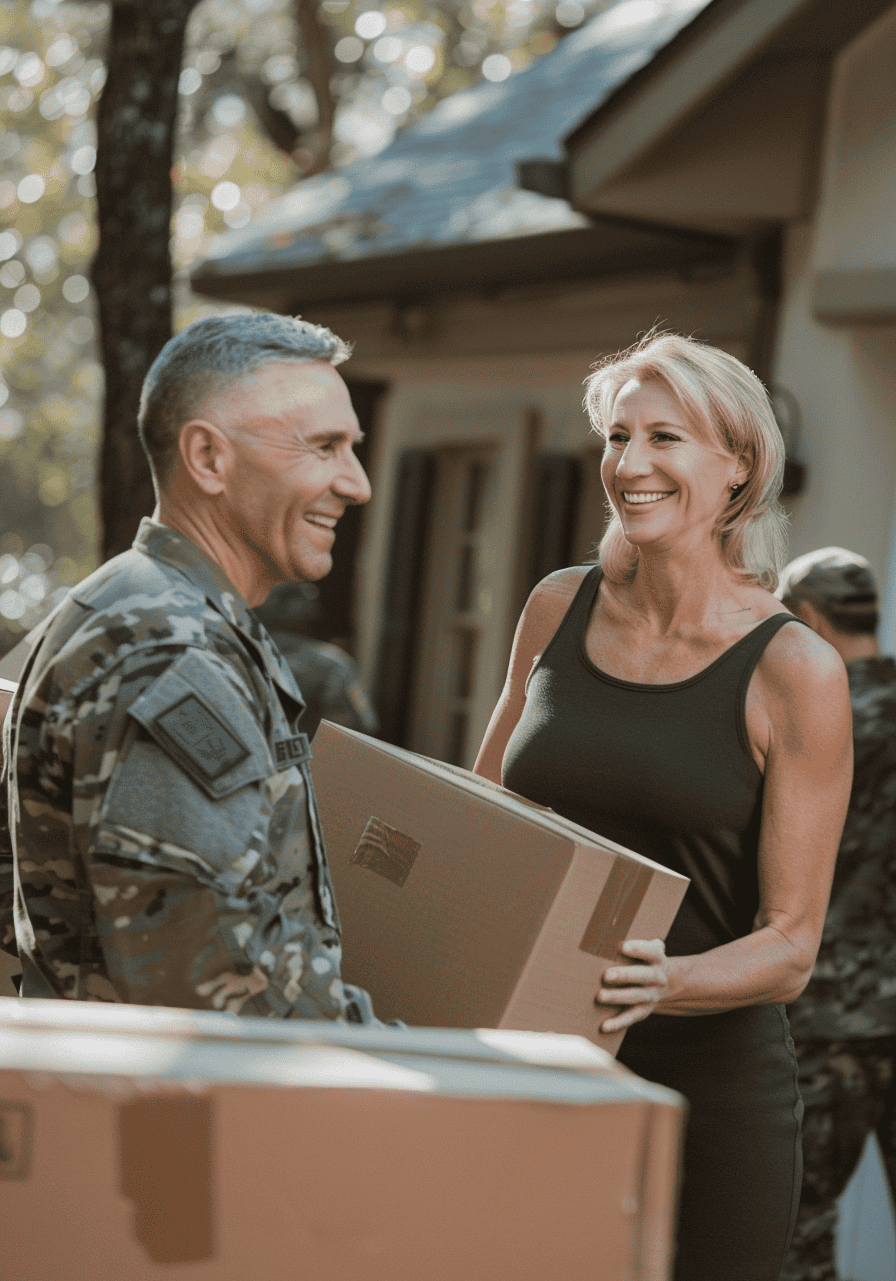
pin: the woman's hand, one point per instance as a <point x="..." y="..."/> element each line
<point x="639" y="987"/>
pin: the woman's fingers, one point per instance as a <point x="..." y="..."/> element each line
<point x="625" y="1018"/>
<point x="628" y="995"/>
<point x="646" y="975"/>
<point x="641" y="986"/>
<point x="651" y="950"/>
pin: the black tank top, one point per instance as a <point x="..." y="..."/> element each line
<point x="663" y="769"/>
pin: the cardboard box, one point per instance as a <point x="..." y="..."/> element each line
<point x="165" y="1145"/>
<point x="463" y="905"/>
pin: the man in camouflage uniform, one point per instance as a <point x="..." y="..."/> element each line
<point x="167" y="846"/>
<point x="844" y="1024"/>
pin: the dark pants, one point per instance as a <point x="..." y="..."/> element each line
<point x="849" y="1091"/>
<point x="741" y="1161"/>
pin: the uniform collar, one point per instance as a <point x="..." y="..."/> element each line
<point x="175" y="549"/>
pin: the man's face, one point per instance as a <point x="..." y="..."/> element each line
<point x="293" y="471"/>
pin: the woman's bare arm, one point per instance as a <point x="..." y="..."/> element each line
<point x="804" y="688"/>
<point x="539" y="620"/>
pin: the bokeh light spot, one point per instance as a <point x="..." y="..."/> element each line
<point x="229" y="110"/>
<point x="389" y="49"/>
<point x="420" y="59"/>
<point x="10" y="243"/>
<point x="83" y="160"/>
<point x="397" y="100"/>
<point x="75" y="289"/>
<point x="190" y="80"/>
<point x="496" y="67"/>
<point x="349" y="49"/>
<point x="226" y="195"/>
<point x="13" y="323"/>
<point x="370" y="24"/>
<point x="27" y="298"/>
<point x="31" y="188"/>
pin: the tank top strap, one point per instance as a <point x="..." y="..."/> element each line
<point x="575" y="621"/>
<point x="752" y="647"/>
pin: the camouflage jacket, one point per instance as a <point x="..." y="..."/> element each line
<point x="167" y="845"/>
<point x="852" y="992"/>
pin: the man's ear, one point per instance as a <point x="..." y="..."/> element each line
<point x="206" y="454"/>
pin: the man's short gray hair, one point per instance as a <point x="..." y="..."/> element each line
<point x="210" y="354"/>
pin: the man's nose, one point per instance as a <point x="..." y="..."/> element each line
<point x="353" y="484"/>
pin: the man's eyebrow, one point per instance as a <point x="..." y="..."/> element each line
<point x="337" y="433"/>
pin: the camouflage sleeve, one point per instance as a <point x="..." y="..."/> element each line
<point x="208" y="887"/>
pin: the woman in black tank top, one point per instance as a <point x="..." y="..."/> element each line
<point x="665" y="699"/>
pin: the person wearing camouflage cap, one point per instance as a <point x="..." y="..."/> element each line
<point x="166" y="846"/>
<point x="844" y="1024"/>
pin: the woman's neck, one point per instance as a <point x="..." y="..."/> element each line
<point x="678" y="593"/>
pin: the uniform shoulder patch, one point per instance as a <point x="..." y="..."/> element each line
<point x="196" y="730"/>
<point x="197" y="716"/>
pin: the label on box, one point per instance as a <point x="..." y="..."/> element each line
<point x="386" y="851"/>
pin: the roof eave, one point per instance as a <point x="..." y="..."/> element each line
<point x="686" y="72"/>
<point x="611" y="247"/>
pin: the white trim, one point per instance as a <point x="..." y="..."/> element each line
<point x="637" y="124"/>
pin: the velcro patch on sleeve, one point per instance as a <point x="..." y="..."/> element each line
<point x="198" y="732"/>
<point x="200" y="720"/>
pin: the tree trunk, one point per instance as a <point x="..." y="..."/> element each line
<point x="132" y="268"/>
<point x="313" y="154"/>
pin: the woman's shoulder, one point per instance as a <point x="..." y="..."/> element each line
<point x="798" y="665"/>
<point x="547" y="606"/>
<point x="555" y="593"/>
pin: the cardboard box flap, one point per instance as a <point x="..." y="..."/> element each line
<point x="132" y="1043"/>
<point x="550" y="1050"/>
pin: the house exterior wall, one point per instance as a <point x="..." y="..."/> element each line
<point x="844" y="375"/>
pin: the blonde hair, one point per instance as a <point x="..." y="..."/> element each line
<point x="726" y="400"/>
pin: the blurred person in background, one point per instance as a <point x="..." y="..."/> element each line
<point x="326" y="675"/>
<point x="665" y="699"/>
<point x="844" y="1024"/>
<point x="163" y="828"/>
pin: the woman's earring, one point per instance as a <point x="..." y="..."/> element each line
<point x="735" y="490"/>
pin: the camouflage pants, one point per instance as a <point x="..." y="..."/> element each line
<point x="849" y="1090"/>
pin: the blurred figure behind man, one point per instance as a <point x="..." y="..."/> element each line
<point x="325" y="673"/>
<point x="844" y="1024"/>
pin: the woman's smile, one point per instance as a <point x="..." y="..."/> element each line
<point x="641" y="498"/>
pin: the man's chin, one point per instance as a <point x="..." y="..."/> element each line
<point x="311" y="571"/>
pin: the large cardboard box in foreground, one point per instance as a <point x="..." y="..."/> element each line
<point x="162" y="1145"/>
<point x="463" y="905"/>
